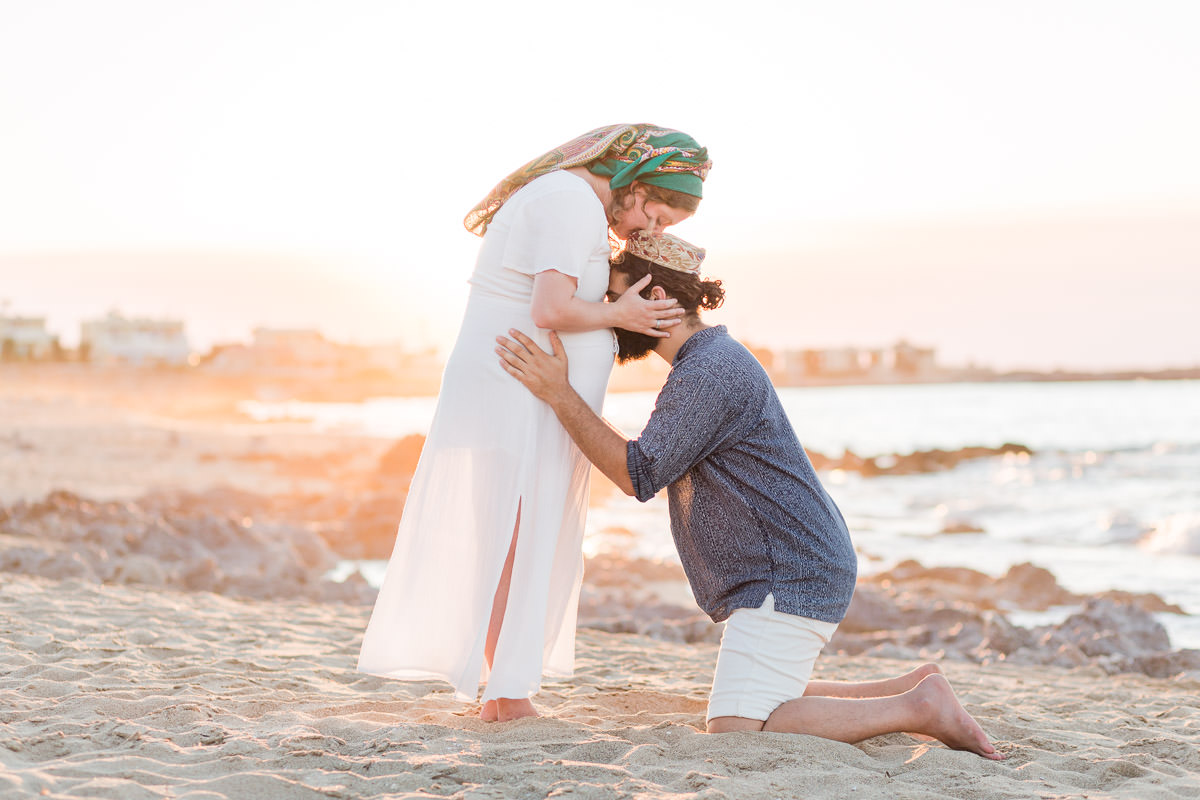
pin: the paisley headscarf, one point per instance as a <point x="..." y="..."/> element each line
<point x="622" y="153"/>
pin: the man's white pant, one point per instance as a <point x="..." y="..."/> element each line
<point x="766" y="659"/>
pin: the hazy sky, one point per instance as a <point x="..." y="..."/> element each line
<point x="1016" y="183"/>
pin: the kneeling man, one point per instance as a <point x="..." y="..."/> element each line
<point x="763" y="545"/>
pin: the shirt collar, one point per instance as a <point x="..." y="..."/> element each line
<point x="698" y="338"/>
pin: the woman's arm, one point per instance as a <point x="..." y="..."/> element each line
<point x="556" y="307"/>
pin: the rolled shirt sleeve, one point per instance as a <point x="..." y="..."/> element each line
<point x="639" y="472"/>
<point x="688" y="424"/>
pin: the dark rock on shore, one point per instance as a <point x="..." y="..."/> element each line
<point x="401" y="460"/>
<point x="1024" y="586"/>
<point x="361" y="529"/>
<point x="1117" y="637"/>
<point x="915" y="612"/>
<point x="914" y="463"/>
<point x="223" y="540"/>
<point x="610" y="570"/>
<point x="364" y="526"/>
<point x="619" y="595"/>
<point x="359" y="523"/>
<point x="612" y="611"/>
<point x="210" y="542"/>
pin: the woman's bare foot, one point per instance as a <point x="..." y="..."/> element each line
<point x="509" y="709"/>
<point x="489" y="713"/>
<point x="943" y="717"/>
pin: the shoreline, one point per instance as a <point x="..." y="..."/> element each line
<point x="118" y="494"/>
<point x="247" y="546"/>
<point x="196" y="393"/>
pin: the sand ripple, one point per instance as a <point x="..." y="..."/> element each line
<point x="131" y="693"/>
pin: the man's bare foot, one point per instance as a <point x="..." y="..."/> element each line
<point x="864" y="689"/>
<point x="944" y="718"/>
<point x="924" y="671"/>
<point x="911" y="680"/>
<point x="489" y="713"/>
<point x="509" y="709"/>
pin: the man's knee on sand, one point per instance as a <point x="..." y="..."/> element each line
<point x="765" y="660"/>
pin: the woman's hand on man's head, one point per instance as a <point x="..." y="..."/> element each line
<point x="651" y="317"/>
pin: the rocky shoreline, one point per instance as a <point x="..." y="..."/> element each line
<point x="918" y="613"/>
<point x="209" y="542"/>
<point x="920" y="461"/>
<point x="245" y="545"/>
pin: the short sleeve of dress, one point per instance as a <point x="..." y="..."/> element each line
<point x="556" y="230"/>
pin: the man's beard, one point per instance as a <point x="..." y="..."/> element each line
<point x="633" y="346"/>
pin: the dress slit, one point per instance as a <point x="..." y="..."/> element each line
<point x="509" y="564"/>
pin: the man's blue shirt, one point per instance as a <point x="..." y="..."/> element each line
<point x="748" y="514"/>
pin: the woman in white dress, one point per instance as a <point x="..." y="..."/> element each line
<point x="483" y="582"/>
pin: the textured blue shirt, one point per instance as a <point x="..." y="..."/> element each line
<point x="748" y="514"/>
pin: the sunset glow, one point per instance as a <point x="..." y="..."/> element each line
<point x="993" y="181"/>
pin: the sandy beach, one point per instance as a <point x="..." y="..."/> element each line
<point x="115" y="691"/>
<point x="167" y="632"/>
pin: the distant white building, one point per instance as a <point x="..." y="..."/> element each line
<point x="919" y="362"/>
<point x="835" y="362"/>
<point x="121" y="340"/>
<point x="900" y="362"/>
<point x="25" y="339"/>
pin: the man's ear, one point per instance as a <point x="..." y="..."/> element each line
<point x="657" y="293"/>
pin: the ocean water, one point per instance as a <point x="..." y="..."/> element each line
<point x="1110" y="498"/>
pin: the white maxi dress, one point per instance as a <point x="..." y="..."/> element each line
<point x="494" y="448"/>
